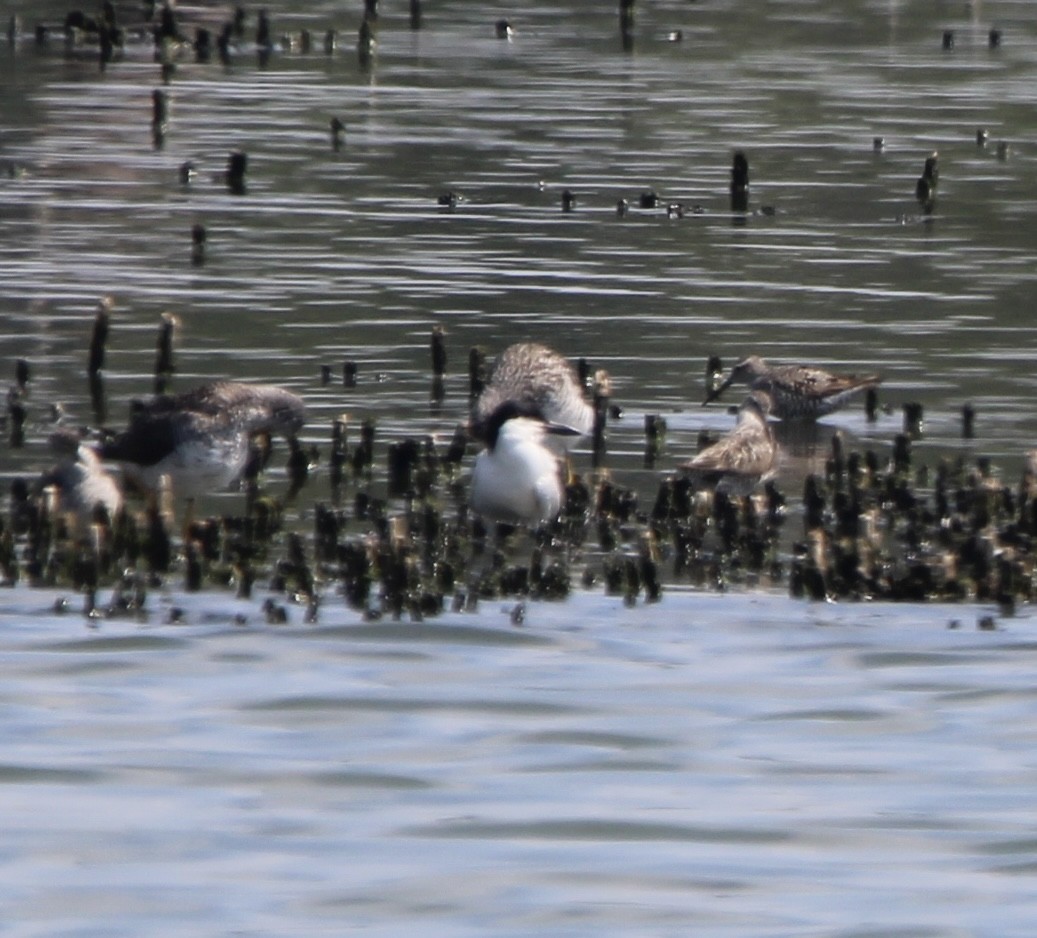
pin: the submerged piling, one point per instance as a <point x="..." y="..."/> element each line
<point x="164" y="352"/>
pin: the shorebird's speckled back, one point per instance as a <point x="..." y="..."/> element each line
<point x="529" y="371"/>
<point x="798" y="392"/>
<point x="255" y="408"/>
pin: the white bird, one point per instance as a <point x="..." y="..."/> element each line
<point x="200" y="438"/>
<point x="536" y="375"/>
<point x="517" y="479"/>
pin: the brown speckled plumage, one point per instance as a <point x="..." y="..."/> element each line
<point x="743" y="458"/>
<point x="533" y="373"/>
<point x="798" y="392"/>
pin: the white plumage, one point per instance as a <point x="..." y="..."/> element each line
<point x="79" y="480"/>
<point x="517" y="479"/>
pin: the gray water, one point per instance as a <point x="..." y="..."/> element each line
<point x="664" y="770"/>
<point x="736" y="764"/>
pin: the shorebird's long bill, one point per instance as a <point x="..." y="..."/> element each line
<point x="560" y="429"/>
<point x="717" y="391"/>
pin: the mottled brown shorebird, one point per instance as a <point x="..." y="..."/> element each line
<point x="797" y="392"/>
<point x="531" y="373"/>
<point x="746" y="456"/>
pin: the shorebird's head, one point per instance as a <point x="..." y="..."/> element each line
<point x="519" y="419"/>
<point x="745" y="372"/>
<point x="757" y="405"/>
<point x="64" y="443"/>
<point x="287" y="412"/>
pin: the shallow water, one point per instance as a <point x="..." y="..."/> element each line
<point x="768" y="767"/>
<point x="345" y="255"/>
<point x="739" y="765"/>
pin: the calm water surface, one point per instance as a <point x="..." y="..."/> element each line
<point x="715" y="765"/>
<point x="739" y="764"/>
